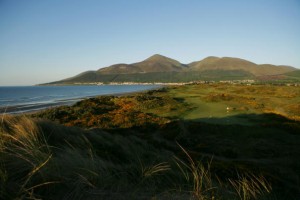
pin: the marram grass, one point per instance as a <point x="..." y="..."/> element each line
<point x="43" y="160"/>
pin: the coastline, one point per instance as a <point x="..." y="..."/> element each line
<point x="117" y="83"/>
<point x="36" y="107"/>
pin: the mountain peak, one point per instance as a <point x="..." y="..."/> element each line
<point x="212" y="57"/>
<point x="160" y="59"/>
<point x="157" y="57"/>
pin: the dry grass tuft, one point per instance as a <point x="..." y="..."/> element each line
<point x="25" y="152"/>
<point x="199" y="175"/>
<point x="250" y="186"/>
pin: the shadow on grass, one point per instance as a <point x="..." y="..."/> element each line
<point x="138" y="162"/>
<point x="269" y="145"/>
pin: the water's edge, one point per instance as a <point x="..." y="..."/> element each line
<point x="38" y="106"/>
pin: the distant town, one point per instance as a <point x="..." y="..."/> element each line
<point x="245" y="82"/>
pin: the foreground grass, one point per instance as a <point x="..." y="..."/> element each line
<point x="147" y="146"/>
<point x="42" y="160"/>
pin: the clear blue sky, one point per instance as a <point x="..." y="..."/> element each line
<point x="48" y="40"/>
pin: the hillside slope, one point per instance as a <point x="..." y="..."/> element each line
<point x="158" y="68"/>
<point x="155" y="63"/>
<point x="227" y="63"/>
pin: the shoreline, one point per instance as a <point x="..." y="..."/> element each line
<point x="116" y="83"/>
<point x="36" y="107"/>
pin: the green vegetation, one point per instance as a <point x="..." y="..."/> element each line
<point x="164" y="77"/>
<point x="294" y="75"/>
<point x="231" y="101"/>
<point x="210" y="141"/>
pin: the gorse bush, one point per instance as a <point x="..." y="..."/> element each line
<point x="102" y="112"/>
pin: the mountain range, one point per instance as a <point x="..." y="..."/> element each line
<point x="158" y="68"/>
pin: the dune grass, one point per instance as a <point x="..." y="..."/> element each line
<point x="38" y="158"/>
<point x="43" y="160"/>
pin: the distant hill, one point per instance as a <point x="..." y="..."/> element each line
<point x="156" y="63"/>
<point x="227" y="63"/>
<point x="158" y="68"/>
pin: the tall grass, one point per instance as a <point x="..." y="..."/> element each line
<point x="24" y="152"/>
<point x="42" y="160"/>
<point x="250" y="186"/>
<point x="204" y="187"/>
<point x="198" y="174"/>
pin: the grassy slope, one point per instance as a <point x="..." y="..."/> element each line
<point x="213" y="100"/>
<point x="295" y="75"/>
<point x="160" y="77"/>
<point x="184" y="76"/>
<point x="135" y="154"/>
<point x="155" y="63"/>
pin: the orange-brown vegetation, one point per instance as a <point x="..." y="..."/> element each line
<point x="102" y="112"/>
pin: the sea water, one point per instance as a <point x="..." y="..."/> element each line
<point x="30" y="98"/>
